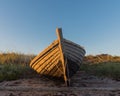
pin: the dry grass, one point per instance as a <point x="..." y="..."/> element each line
<point x="91" y="59"/>
<point x="15" y="58"/>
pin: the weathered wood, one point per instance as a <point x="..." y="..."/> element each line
<point x="77" y="53"/>
<point x="50" y="47"/>
<point x="53" y="71"/>
<point x="44" y="56"/>
<point x="46" y="64"/>
<point x="50" y="66"/>
<point x="50" y="55"/>
<point x="69" y="44"/>
<point x="58" y="70"/>
<point x="74" y="58"/>
<point x="53" y="61"/>
<point x="60" y="39"/>
<point x="74" y="49"/>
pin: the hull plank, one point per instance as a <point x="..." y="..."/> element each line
<point x="43" y="53"/>
<point x="47" y="61"/>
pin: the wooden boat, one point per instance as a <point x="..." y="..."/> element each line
<point x="62" y="58"/>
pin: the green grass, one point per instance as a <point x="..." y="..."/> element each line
<point x="13" y="72"/>
<point x="108" y="69"/>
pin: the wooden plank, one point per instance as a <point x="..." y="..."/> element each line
<point x="73" y="49"/>
<point x="75" y="53"/>
<point x="68" y="45"/>
<point x="50" y="47"/>
<point x="60" y="39"/>
<point x="48" y="57"/>
<point x="46" y="71"/>
<point x="70" y="42"/>
<point x="59" y="70"/>
<point x="50" y="66"/>
<point x="74" y="58"/>
<point x="43" y="56"/>
<point x="78" y="56"/>
<point x="49" y="62"/>
<point x="56" y="67"/>
<point x="53" y="71"/>
<point x="57" y="73"/>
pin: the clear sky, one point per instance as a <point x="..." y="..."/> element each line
<point x="28" y="26"/>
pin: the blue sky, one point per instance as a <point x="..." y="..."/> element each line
<point x="28" y="26"/>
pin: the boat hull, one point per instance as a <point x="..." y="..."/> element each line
<point x="61" y="59"/>
<point x="48" y="62"/>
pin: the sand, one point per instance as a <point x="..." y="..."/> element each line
<point x="82" y="84"/>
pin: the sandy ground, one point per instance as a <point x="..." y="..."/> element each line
<point x="82" y="84"/>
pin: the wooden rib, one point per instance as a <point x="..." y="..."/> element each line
<point x="53" y="71"/>
<point x="47" y="72"/>
<point x="50" y="47"/>
<point x="52" y="65"/>
<point x="57" y="73"/>
<point x="59" y="67"/>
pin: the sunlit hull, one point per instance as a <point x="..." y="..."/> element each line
<point x="54" y="62"/>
